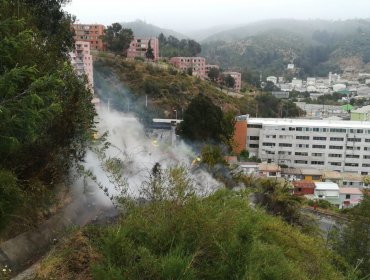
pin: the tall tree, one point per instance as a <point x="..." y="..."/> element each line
<point x="229" y="81"/>
<point x="149" y="54"/>
<point x="203" y="120"/>
<point x="213" y="74"/>
<point x="117" y="38"/>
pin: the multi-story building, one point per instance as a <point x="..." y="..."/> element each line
<point x="210" y="66"/>
<point x="196" y="64"/>
<point x="342" y="146"/>
<point x="237" y="78"/>
<point x="81" y="60"/>
<point x="139" y="46"/>
<point x="90" y="33"/>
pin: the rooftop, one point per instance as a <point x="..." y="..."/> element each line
<point x="326" y="186"/>
<point x="350" y="191"/>
<point x="362" y="110"/>
<point x="304" y="184"/>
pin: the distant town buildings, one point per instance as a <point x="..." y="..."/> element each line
<point x="280" y="94"/>
<point x="272" y="79"/>
<point x="139" y="46"/>
<point x="81" y="60"/>
<point x="90" y="33"/>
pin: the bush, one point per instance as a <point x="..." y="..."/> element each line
<point x="10" y="196"/>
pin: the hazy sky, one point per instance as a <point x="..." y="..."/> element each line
<point x="200" y="14"/>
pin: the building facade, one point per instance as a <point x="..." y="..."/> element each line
<point x="342" y="146"/>
<point x="196" y="64"/>
<point x="82" y="61"/>
<point x="139" y="46"/>
<point x="90" y="33"/>
<point x="237" y="78"/>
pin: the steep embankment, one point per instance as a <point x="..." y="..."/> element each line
<point x="158" y="90"/>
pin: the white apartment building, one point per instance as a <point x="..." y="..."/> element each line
<point x="342" y="146"/>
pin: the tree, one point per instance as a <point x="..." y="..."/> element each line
<point x="203" y="121"/>
<point x="117" y="38"/>
<point x="352" y="240"/>
<point x="213" y="74"/>
<point x="149" y="52"/>
<point x="229" y="81"/>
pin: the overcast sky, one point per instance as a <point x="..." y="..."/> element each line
<point x="188" y="15"/>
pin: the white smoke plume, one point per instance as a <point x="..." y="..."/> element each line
<point x="139" y="151"/>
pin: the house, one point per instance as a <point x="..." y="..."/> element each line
<point x="303" y="188"/>
<point x="272" y="79"/>
<point x="349" y="197"/>
<point x="352" y="180"/>
<point x="139" y="46"/>
<point x="292" y="174"/>
<point x="312" y="175"/>
<point x="249" y="168"/>
<point x="332" y="176"/>
<point x="361" y="114"/>
<point x="328" y="191"/>
<point x="91" y="33"/>
<point x="269" y="170"/>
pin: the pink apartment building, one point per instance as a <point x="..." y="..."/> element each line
<point x="197" y="64"/>
<point x="238" y="79"/>
<point x="91" y="33"/>
<point x="139" y="46"/>
<point x="82" y="61"/>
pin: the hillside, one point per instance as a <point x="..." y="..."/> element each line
<point x="143" y="29"/>
<point x="314" y="46"/>
<point x="165" y="90"/>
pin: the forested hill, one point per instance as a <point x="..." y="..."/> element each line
<point x="46" y="115"/>
<point x="314" y="46"/>
<point x="143" y="29"/>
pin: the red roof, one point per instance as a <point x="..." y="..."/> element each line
<point x="304" y="184"/>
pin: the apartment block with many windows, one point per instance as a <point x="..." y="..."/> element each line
<point x="342" y="146"/>
<point x="196" y="64"/>
<point x="139" y="46"/>
<point x="90" y="33"/>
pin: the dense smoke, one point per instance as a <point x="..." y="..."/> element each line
<point x="139" y="150"/>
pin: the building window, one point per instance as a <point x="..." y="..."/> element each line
<point x="354" y="139"/>
<point x="365" y="165"/>
<point x="366" y="157"/>
<point x="340" y="130"/>
<point x="335" y="163"/>
<point x="319" y="138"/>
<point x="255" y="146"/>
<point x="353" y="148"/>
<point x="336" y="147"/>
<point x="336" y="139"/>
<point x="317" y="162"/>
<point x="367" y="140"/>
<point x="301" y="161"/>
<point x="254" y="138"/>
<point x="303" y="137"/>
<point x="285" y="145"/>
<point x="353" y="156"/>
<point x="301" y="154"/>
<point x="317" y="154"/>
<point x="318" y="146"/>
<point x="352" y="164"/>
<point x="254" y="125"/>
<point x="335" y="155"/>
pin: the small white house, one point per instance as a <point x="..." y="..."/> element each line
<point x="349" y="197"/>
<point x="272" y="79"/>
<point x="328" y="191"/>
<point x="249" y="168"/>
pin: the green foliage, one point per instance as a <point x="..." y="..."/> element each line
<point x="117" y="38"/>
<point x="213" y="74"/>
<point x="149" y="52"/>
<point x="229" y="81"/>
<point x="243" y="156"/>
<point x="172" y="46"/>
<point x="218" y="237"/>
<point x="353" y="240"/>
<point x="205" y="121"/>
<point x="10" y="196"/>
<point x="271" y="107"/>
<point x="212" y="155"/>
<point x="46" y="115"/>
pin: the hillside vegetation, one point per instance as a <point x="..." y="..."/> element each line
<point x="46" y="115"/>
<point x="182" y="236"/>
<point x="127" y="84"/>
<point x="314" y="46"/>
